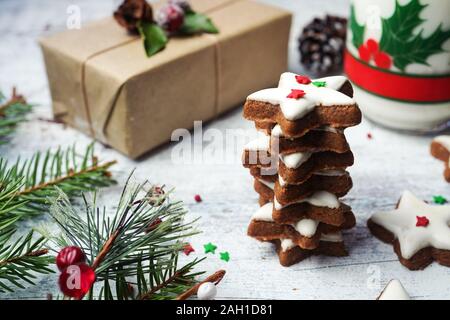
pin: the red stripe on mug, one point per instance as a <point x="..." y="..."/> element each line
<point x="396" y="86"/>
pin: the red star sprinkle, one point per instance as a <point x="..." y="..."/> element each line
<point x="422" y="221"/>
<point x="369" y="135"/>
<point x="296" y="94"/>
<point x="197" y="198"/>
<point x="303" y="79"/>
<point x="187" y="249"/>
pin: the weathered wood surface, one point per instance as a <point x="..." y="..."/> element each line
<point x="385" y="166"/>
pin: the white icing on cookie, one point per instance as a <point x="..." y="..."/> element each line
<point x="262" y="143"/>
<point x="394" y="291"/>
<point x="335" y="82"/>
<point x="281" y="181"/>
<point x="306" y="227"/>
<point x="295" y="160"/>
<point x="330" y="173"/>
<point x="444" y="140"/>
<point x="294" y="109"/>
<point x="264" y="213"/>
<point x="332" y="237"/>
<point x="328" y="129"/>
<point x="402" y="223"/>
<point x="287" y="244"/>
<point x="318" y="199"/>
<point x="277" y="131"/>
<point x="268" y="184"/>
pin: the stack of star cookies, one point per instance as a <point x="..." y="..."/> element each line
<point x="299" y="165"/>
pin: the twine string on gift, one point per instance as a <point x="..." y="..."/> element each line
<point x="217" y="72"/>
<point x="85" y="95"/>
<point x="83" y="82"/>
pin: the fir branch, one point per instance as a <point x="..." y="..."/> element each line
<point x="20" y="261"/>
<point x="25" y="190"/>
<point x="12" y="112"/>
<point x="123" y="250"/>
<point x="26" y="186"/>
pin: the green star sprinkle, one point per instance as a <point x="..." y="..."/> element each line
<point x="225" y="256"/>
<point x="320" y="83"/>
<point x="210" y="248"/>
<point x="439" y="199"/>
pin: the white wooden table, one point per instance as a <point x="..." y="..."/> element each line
<point x="385" y="166"/>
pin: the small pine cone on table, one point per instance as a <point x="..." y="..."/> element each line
<point x="322" y="44"/>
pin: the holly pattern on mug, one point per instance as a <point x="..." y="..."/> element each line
<point x="399" y="45"/>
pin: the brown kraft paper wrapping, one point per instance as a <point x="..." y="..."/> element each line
<point x="103" y="84"/>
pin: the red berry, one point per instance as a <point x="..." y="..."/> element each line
<point x="364" y="53"/>
<point x="68" y="256"/>
<point x="197" y="198"/>
<point x="369" y="135"/>
<point x="383" y="60"/>
<point x="170" y="17"/>
<point x="372" y="45"/>
<point x="76" y="280"/>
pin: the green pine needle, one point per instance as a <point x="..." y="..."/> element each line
<point x="12" y="112"/>
<point x="26" y="186"/>
<point x="21" y="260"/>
<point x="141" y="260"/>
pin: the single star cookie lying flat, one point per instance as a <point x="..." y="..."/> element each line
<point x="419" y="232"/>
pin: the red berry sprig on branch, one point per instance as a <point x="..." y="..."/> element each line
<point x="76" y="278"/>
<point x="371" y="50"/>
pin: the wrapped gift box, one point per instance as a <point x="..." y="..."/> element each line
<point x="103" y="84"/>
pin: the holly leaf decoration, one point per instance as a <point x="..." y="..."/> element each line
<point x="154" y="37"/>
<point x="197" y="23"/>
<point x="419" y="49"/>
<point x="357" y="29"/>
<point x="399" y="41"/>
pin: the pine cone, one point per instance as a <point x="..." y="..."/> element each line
<point x="322" y="44"/>
<point x="130" y="12"/>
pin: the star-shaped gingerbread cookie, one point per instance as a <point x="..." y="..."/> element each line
<point x="419" y="232"/>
